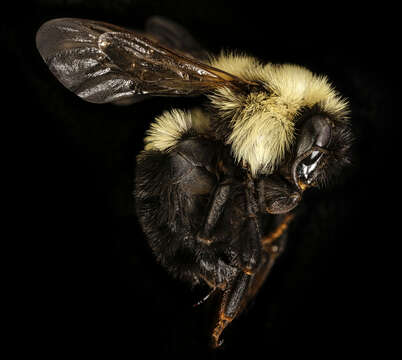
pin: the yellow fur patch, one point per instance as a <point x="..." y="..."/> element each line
<point x="263" y="123"/>
<point x="168" y="128"/>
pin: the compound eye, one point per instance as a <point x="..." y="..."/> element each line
<point x="316" y="131"/>
<point x="315" y="136"/>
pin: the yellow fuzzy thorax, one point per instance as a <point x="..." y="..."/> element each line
<point x="263" y="123"/>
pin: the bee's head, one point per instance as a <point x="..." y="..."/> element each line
<point x="321" y="149"/>
<point x="295" y="118"/>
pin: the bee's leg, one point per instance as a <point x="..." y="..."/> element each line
<point x="273" y="245"/>
<point x="233" y="301"/>
<point x="235" y="296"/>
<point x="246" y="285"/>
<point x="249" y="241"/>
<point x="215" y="209"/>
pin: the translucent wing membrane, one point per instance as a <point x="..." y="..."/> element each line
<point x="103" y="63"/>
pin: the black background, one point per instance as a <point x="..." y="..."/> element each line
<point x="83" y="279"/>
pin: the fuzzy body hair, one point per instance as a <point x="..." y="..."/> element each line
<point x="261" y="126"/>
<point x="263" y="123"/>
<point x="168" y="128"/>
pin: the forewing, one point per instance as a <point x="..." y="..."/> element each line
<point x="103" y="63"/>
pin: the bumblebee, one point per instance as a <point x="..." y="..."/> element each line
<point x="216" y="186"/>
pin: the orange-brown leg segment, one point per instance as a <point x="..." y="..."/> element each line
<point x="273" y="244"/>
<point x="246" y="284"/>
<point x="233" y="301"/>
<point x="220" y="326"/>
<point x="267" y="241"/>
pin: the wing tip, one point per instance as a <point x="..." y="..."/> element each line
<point x="44" y="37"/>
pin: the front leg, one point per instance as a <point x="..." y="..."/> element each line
<point x="214" y="210"/>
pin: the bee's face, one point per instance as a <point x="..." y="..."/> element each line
<point x="321" y="149"/>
